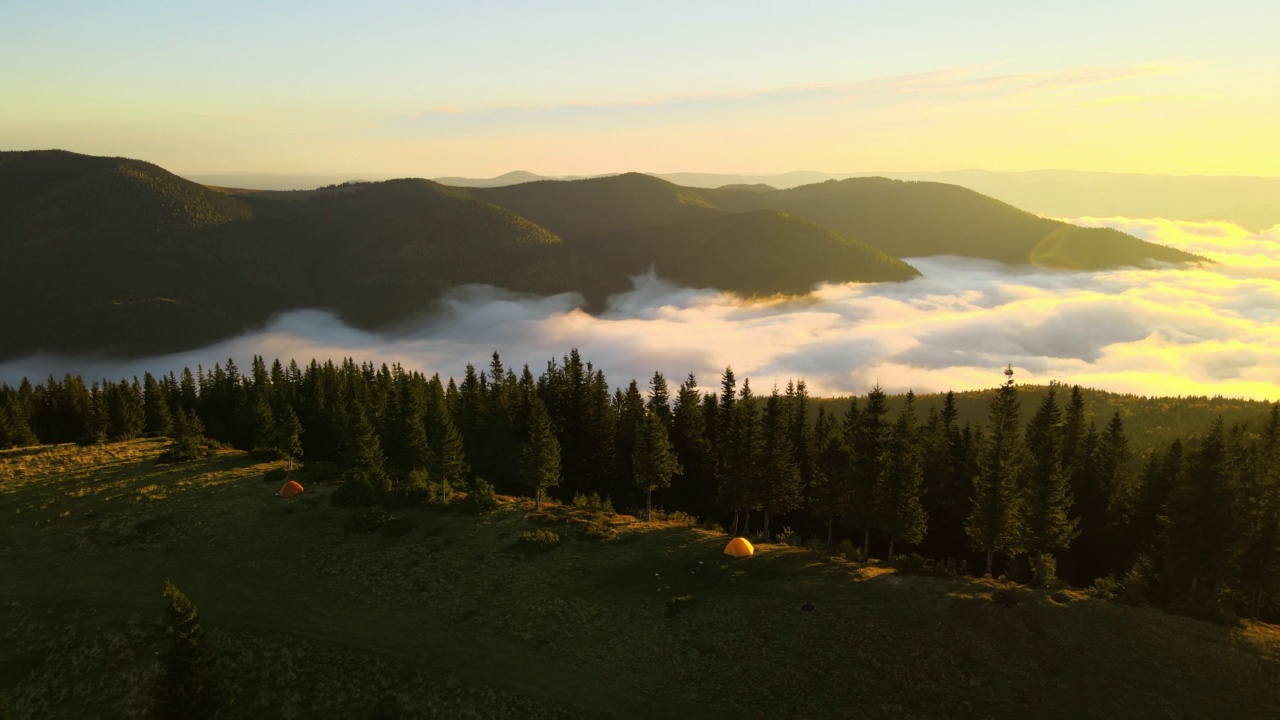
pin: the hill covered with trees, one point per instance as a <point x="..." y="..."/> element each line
<point x="118" y="256"/>
<point x="916" y="219"/>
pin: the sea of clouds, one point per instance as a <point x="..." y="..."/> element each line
<point x="1206" y="330"/>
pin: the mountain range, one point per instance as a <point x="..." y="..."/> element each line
<point x="119" y="256"/>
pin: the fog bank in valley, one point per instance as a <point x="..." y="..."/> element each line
<point x="1207" y="330"/>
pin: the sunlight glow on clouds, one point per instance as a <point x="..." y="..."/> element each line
<point x="1208" y="330"/>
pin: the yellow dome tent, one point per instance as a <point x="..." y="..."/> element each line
<point x="739" y="548"/>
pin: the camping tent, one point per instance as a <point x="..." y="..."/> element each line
<point x="290" y="489"/>
<point x="739" y="547"/>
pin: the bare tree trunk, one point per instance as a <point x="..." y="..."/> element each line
<point x="990" y="554"/>
<point x="648" y="505"/>
<point x="766" y="526"/>
<point x="733" y="529"/>
<point x="830" y="519"/>
<point x="1255" y="605"/>
<point x="537" y="500"/>
<point x="746" y="522"/>
<point x="444" y="491"/>
<point x="866" y="545"/>
<point x="890" y="559"/>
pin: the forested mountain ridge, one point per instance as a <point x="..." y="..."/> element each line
<point x="917" y="219"/>
<point x="120" y="256"/>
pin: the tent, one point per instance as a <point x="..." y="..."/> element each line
<point x="739" y="547"/>
<point x="290" y="489"/>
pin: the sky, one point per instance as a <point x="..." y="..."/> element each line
<point x="377" y="89"/>
<point x="1207" y="330"/>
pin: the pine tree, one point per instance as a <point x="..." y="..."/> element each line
<point x="654" y="462"/>
<point x="630" y="413"/>
<point x="898" y="508"/>
<point x="155" y="404"/>
<point x="660" y="399"/>
<point x="446" y="457"/>
<point x="187" y="687"/>
<point x="780" y="482"/>
<point x="740" y="465"/>
<point x="368" y="469"/>
<point x="264" y="425"/>
<point x="827" y="492"/>
<point x="995" y="524"/>
<point x="1198" y="538"/>
<point x="188" y="437"/>
<point x="1047" y="498"/>
<point x="288" y="436"/>
<point x="540" y="455"/>
<point x="695" y="483"/>
<point x="1259" y="512"/>
<point x="869" y="444"/>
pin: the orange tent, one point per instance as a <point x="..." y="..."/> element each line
<point x="290" y="489"/>
<point x="739" y="547"/>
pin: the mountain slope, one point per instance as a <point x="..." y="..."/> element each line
<point x="754" y="253"/>
<point x="120" y="256"/>
<point x="577" y="209"/>
<point x="917" y="219"/>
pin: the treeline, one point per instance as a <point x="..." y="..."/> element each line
<point x="1198" y="524"/>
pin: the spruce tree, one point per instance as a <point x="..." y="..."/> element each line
<point x="654" y="462"/>
<point x="740" y="467"/>
<point x="1047" y="498"/>
<point x="188" y="437"/>
<point x="780" y="482"/>
<point x="368" y="470"/>
<point x="158" y="418"/>
<point x="1198" y="538"/>
<point x="540" y="455"/>
<point x="827" y="492"/>
<point x="870" y="447"/>
<point x="695" y="483"/>
<point x="898" y="508"/>
<point x="995" y="523"/>
<point x="187" y="688"/>
<point x="446" y="457"/>
<point x="288" y="436"/>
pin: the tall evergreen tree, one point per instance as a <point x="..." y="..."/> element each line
<point x="187" y="688"/>
<point x="827" y="492"/>
<point x="540" y="456"/>
<point x="158" y="420"/>
<point x="695" y="482"/>
<point x="898" y="507"/>
<point x="995" y="524"/>
<point x="446" y="458"/>
<point x="779" y="474"/>
<point x="870" y="447"/>
<point x="654" y="462"/>
<point x="288" y="436"/>
<point x="1198" y="539"/>
<point x="1047" y="500"/>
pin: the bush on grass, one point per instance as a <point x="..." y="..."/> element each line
<point x="535" y="542"/>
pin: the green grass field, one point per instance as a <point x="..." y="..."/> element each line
<point x="451" y="620"/>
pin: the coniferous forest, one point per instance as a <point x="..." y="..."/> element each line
<point x="1193" y="525"/>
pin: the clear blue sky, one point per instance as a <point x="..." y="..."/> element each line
<point x="573" y="87"/>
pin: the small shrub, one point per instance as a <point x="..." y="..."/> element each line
<point x="397" y="527"/>
<point x="480" y="498"/>
<point x="365" y="521"/>
<point x="848" y="551"/>
<point x="538" y="541"/>
<point x="912" y="564"/>
<point x="1006" y="597"/>
<point x="787" y="537"/>
<point x="354" y="493"/>
<point x="595" y="532"/>
<point x="275" y="475"/>
<point x="1105" y="588"/>
<point x="1060" y="597"/>
<point x="1138" y="581"/>
<point x="1205" y="606"/>
<point x="594" y="503"/>
<point x="815" y="543"/>
<point x="678" y="604"/>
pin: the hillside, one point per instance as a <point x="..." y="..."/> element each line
<point x="917" y="219"/>
<point x="450" y="621"/>
<point x="752" y="253"/>
<point x="120" y="256"/>
<point x="594" y="207"/>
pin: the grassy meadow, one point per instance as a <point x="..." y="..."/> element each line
<point x="453" y="620"/>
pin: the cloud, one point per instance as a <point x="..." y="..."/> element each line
<point x="1200" y="331"/>
<point x="942" y="86"/>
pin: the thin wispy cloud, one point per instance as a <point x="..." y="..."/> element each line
<point x="946" y="85"/>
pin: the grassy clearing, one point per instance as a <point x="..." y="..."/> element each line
<point x="619" y="619"/>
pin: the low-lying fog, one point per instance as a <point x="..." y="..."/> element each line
<point x="1208" y="330"/>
